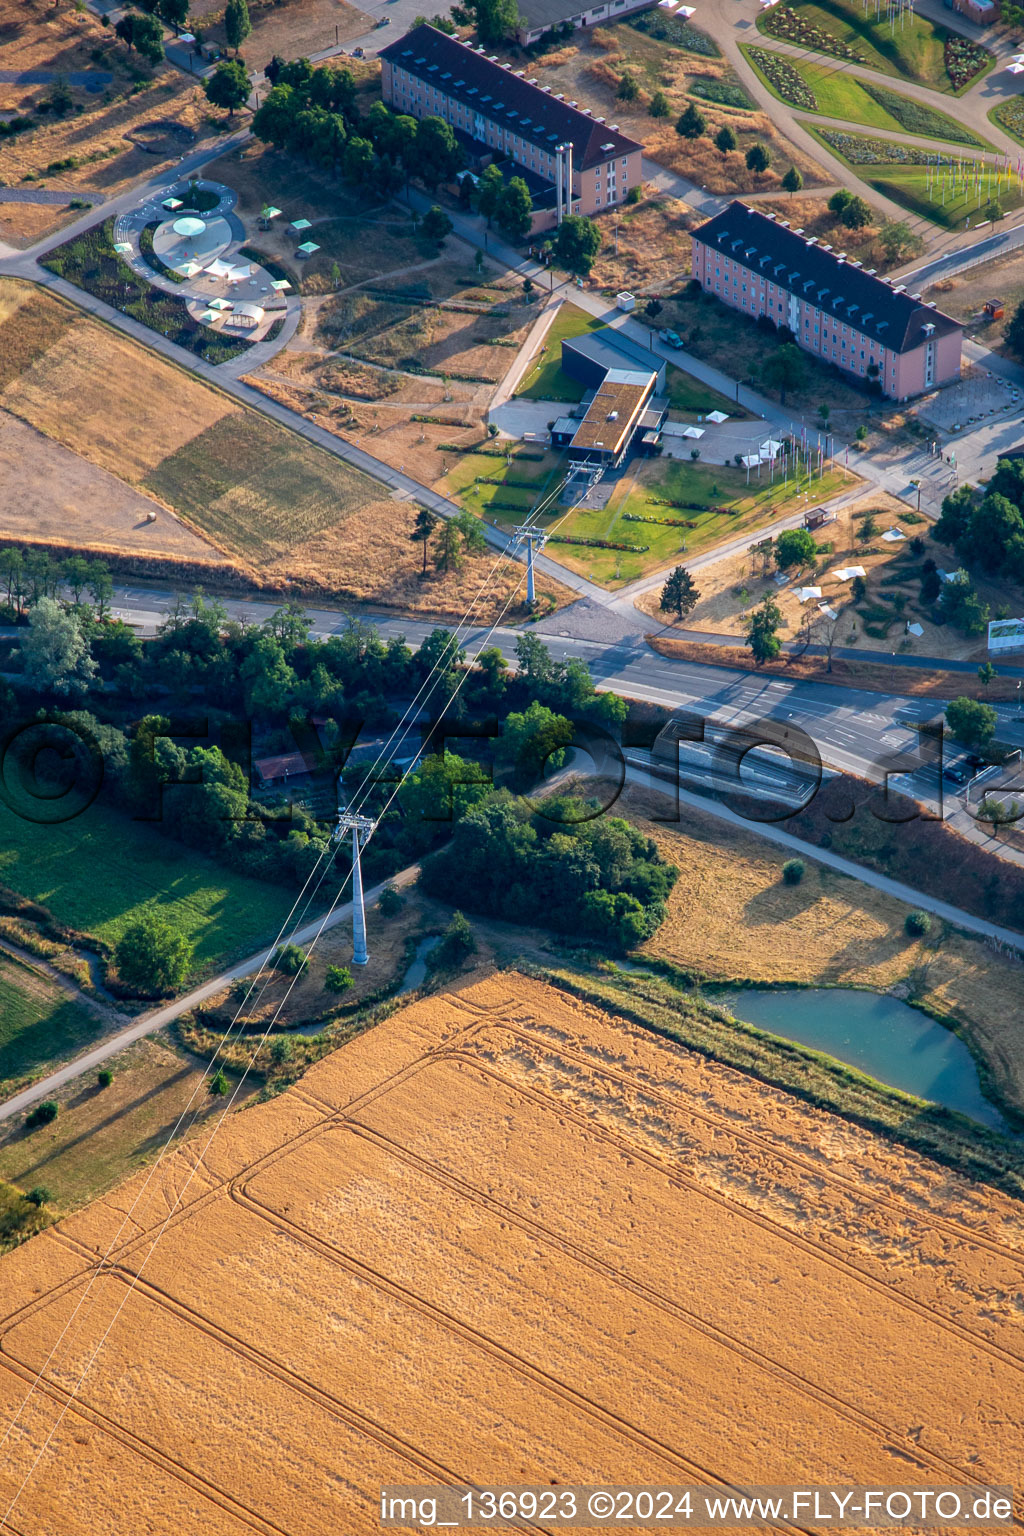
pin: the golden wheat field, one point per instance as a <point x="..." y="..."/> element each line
<point x="506" y="1237"/>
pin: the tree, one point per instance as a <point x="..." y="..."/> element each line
<point x="104" y="1077"/>
<point x="627" y="88"/>
<point x="290" y="960"/>
<point x="692" y="124"/>
<point x="659" y="105"/>
<point x="435" y="152"/>
<point x="784" y="369"/>
<point x="474" y="540"/>
<point x="422" y="531"/>
<point x="456" y="944"/>
<point x="793" y="871"/>
<point x="39" y="1196"/>
<point x="514" y="211"/>
<point x="856" y="214"/>
<point x="761" y="631"/>
<point x="228" y="87"/>
<point x="237" y="25"/>
<point x="436" y="225"/>
<point x="448" y="546"/>
<point x="725" y="139"/>
<point x="576" y="244"/>
<point x="218" y="1085"/>
<point x="534" y="739"/>
<point x="1014" y="334"/>
<point x="653" y="308"/>
<point x="488" y="192"/>
<point x="987" y="674"/>
<point x="759" y="158"/>
<point x="792" y="181"/>
<point x="55" y="652"/>
<point x="897" y="239"/>
<point x="837" y="203"/>
<point x="971" y="722"/>
<point x="143" y="33"/>
<point x="101" y="586"/>
<point x="679" y="595"/>
<point x="152" y="955"/>
<point x="337" y="979"/>
<point x="495" y="20"/>
<point x="917" y="924"/>
<point x="794" y="546"/>
<point x="173" y="12"/>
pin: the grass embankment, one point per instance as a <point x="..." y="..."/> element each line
<point x="938" y="1133"/>
<point x="99" y="871"/>
<point x="90" y="262"/>
<point x="830" y="92"/>
<point x="874" y="676"/>
<point x="544" y="379"/>
<point x="39" y="1023"/>
<point x="922" y="50"/>
<point x="962" y="188"/>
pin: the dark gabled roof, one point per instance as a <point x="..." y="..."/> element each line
<point x="525" y="109"/>
<point x="841" y="288"/>
<point x="609" y="347"/>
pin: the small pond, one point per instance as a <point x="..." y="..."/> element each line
<point x="879" y="1035"/>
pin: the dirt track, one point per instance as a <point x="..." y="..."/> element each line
<point x="504" y="1237"/>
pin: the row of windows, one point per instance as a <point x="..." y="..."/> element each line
<point x="839" y="332"/>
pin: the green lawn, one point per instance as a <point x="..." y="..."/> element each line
<point x="544" y="380"/>
<point x="712" y="485"/>
<point x="692" y="398"/>
<point x="915" y="52"/>
<point x="38" y="1024"/>
<point x="461" y="482"/>
<point x="907" y="182"/>
<point x="97" y="872"/>
<point x="840" y="95"/>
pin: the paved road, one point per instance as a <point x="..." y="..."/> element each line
<point x="149" y="1023"/>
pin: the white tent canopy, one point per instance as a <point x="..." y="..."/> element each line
<point x="751" y="460"/>
<point x="848" y="572"/>
<point x="770" y="448"/>
<point x="804" y="594"/>
<point x="218" y="268"/>
<point x="694" y="432"/>
<point x="893" y="536"/>
<point x="717" y="417"/>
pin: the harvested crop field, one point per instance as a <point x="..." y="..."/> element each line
<point x="599" y="1231"/>
<point x="250" y="487"/>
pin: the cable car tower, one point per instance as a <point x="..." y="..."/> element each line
<point x="361" y="828"/>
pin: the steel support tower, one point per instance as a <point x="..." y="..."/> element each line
<point x="361" y="828"/>
<point x="534" y="538"/>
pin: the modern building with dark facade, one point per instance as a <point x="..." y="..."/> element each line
<point x="501" y="115"/>
<point x="867" y="326"/>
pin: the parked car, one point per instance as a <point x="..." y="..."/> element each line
<point x="385" y="21"/>
<point x="974" y="762"/>
<point x="955" y="775"/>
<point x="670" y="338"/>
<point x="357" y="53"/>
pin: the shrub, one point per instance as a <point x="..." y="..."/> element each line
<point x="917" y="924"/>
<point x="43" y="1114"/>
<point x="218" y="1084"/>
<point x="39" y="1196"/>
<point x="337" y="978"/>
<point x="282" y="1050"/>
<point x="457" y="943"/>
<point x="290" y="960"/>
<point x="391" y="901"/>
<point x="793" y="871"/>
<point x="104" y="1077"/>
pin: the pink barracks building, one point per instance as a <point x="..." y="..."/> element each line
<point x="836" y="309"/>
<point x="571" y="162"/>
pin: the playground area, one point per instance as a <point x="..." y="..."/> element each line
<point x="186" y="240"/>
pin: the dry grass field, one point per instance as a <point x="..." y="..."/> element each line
<point x="649" y="252"/>
<point x="290" y="28"/>
<point x="965" y="295"/>
<point x="592" y="67"/>
<point x="242" y="488"/>
<point x="731" y="917"/>
<point x="732" y="588"/>
<point x="92" y="144"/>
<point x="599" y="1230"/>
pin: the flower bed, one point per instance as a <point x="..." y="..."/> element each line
<point x="664" y="522"/>
<point x="672" y="29"/>
<point x="917" y="118"/>
<point x="963" y="60"/>
<point x="861" y="150"/>
<point x="784" y="79"/>
<point x="1010" y="115"/>
<point x="794" y="28"/>
<point x="572" y="538"/>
